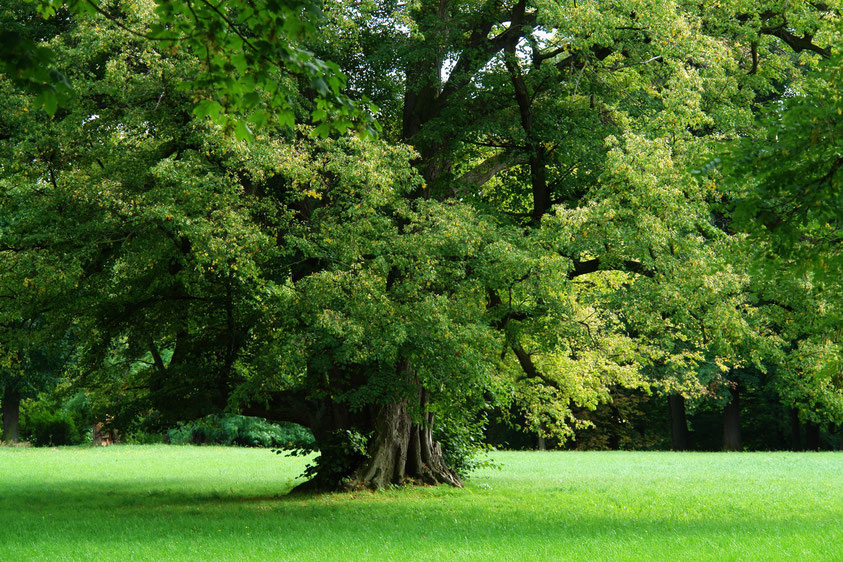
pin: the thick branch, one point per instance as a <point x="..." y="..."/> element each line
<point x="797" y="43"/>
<point x="577" y="61"/>
<point x="480" y="49"/>
<point x="156" y="357"/>
<point x="527" y="365"/>
<point x="485" y="171"/>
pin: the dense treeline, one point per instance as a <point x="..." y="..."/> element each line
<point x="621" y="212"/>
<point x="636" y="421"/>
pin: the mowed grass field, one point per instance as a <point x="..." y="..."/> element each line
<point x="214" y="503"/>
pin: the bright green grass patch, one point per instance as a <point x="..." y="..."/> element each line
<point x="213" y="503"/>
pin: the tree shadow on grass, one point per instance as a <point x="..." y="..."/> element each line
<point x="82" y="494"/>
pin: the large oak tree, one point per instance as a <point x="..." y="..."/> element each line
<point x="527" y="231"/>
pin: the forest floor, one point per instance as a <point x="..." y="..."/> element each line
<point x="214" y="503"/>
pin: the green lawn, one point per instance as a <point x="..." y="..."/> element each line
<point x="191" y="503"/>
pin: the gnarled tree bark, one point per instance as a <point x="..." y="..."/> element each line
<point x="403" y="451"/>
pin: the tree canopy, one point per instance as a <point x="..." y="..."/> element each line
<point x="541" y="220"/>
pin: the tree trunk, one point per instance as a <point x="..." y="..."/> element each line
<point x="11" y="415"/>
<point x="812" y="436"/>
<point x="402" y="451"/>
<point x="678" y="423"/>
<point x="795" y="431"/>
<point x="732" y="422"/>
<point x="541" y="444"/>
<point x="537" y="154"/>
<point x="390" y="451"/>
<point x="615" y="428"/>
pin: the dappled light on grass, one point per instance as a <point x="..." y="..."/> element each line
<point x="175" y="503"/>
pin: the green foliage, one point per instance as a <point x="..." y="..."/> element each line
<point x="52" y="418"/>
<point x="251" y="53"/>
<point x="787" y="181"/>
<point x="140" y="437"/>
<point x="24" y="58"/>
<point x="786" y="191"/>
<point x="464" y="448"/>
<point x="46" y="426"/>
<point x="244" y="431"/>
<point x="341" y="452"/>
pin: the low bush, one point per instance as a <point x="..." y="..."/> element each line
<point x="45" y="427"/>
<point x="141" y="437"/>
<point x="244" y="431"/>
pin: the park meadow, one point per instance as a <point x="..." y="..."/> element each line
<point x="222" y="503"/>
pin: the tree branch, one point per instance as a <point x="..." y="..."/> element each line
<point x="485" y="171"/>
<point x="527" y="365"/>
<point x="480" y="49"/>
<point x="797" y="43"/>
